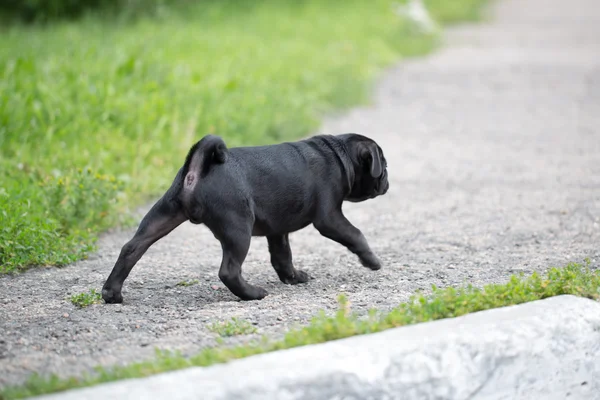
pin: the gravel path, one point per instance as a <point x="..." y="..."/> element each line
<point x="493" y="144"/>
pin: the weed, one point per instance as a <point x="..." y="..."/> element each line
<point x="187" y="283"/>
<point x="86" y="299"/>
<point x="232" y="328"/>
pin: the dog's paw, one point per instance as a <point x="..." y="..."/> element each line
<point x="371" y="261"/>
<point x="302" y="276"/>
<point x="111" y="296"/>
<point x="262" y="293"/>
<point x="299" y="277"/>
<point x="254" y="293"/>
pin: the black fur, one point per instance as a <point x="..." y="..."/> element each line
<point x="266" y="191"/>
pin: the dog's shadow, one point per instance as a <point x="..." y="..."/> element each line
<point x="193" y="293"/>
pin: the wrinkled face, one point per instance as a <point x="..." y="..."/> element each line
<point x="370" y="169"/>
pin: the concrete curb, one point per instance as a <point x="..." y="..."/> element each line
<point x="547" y="349"/>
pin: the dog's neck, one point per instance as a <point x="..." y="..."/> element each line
<point x="345" y="160"/>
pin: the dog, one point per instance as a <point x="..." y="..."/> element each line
<point x="269" y="191"/>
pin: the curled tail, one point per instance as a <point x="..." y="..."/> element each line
<point x="207" y="151"/>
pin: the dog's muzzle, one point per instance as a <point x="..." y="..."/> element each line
<point x="383" y="184"/>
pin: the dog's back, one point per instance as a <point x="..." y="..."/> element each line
<point x="281" y="184"/>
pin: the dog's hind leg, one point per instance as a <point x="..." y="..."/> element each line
<point x="281" y="260"/>
<point x="235" y="234"/>
<point x="162" y="218"/>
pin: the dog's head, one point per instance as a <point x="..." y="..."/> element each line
<point x="370" y="168"/>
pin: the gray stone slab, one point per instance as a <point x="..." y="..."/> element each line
<point x="547" y="349"/>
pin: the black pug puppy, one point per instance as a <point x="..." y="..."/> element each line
<point x="263" y="191"/>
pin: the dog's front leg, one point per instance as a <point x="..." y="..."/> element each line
<point x="162" y="218"/>
<point x="335" y="226"/>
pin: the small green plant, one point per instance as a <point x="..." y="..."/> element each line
<point x="86" y="299"/>
<point x="574" y="279"/>
<point x="187" y="283"/>
<point x="232" y="328"/>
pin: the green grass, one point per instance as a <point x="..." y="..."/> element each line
<point x="86" y="299"/>
<point x="455" y="11"/>
<point x="233" y="327"/>
<point x="187" y="283"/>
<point x="574" y="279"/>
<point x="97" y="114"/>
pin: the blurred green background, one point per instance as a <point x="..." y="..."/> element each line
<point x="100" y="100"/>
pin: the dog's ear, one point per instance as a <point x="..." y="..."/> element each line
<point x="370" y="152"/>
